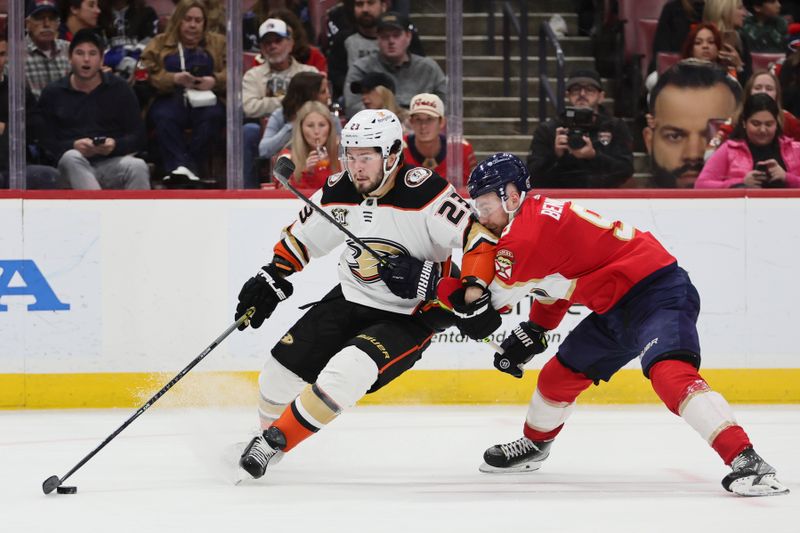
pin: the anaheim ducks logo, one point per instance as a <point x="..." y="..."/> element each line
<point x="361" y="262"/>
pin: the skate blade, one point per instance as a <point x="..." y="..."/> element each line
<point x="517" y="469"/>
<point x="752" y="486"/>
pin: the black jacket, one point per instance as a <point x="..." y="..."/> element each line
<point x="111" y="110"/>
<point x="611" y="167"/>
<point x="30" y="126"/>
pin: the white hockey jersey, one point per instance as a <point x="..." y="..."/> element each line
<point x="422" y="216"/>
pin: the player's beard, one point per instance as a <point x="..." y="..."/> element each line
<point x="671" y="179"/>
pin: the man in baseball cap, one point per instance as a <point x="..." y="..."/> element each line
<point x="47" y="58"/>
<point x="427" y="145"/>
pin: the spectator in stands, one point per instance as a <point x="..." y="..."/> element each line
<point x="757" y="155"/>
<point x="304" y="87"/>
<point x="790" y="72"/>
<point x="77" y="15"/>
<point x="303" y="50"/>
<point x="264" y="86"/>
<point x="704" y="42"/>
<point x="674" y="24"/>
<point x="353" y="42"/>
<point x="186" y="57"/>
<point x="413" y="74"/>
<point x="728" y="16"/>
<point x="47" y="58"/>
<point x="315" y="146"/>
<point x="766" y="28"/>
<point x="131" y="24"/>
<point x="36" y="176"/>
<point x="597" y="153"/>
<point x="687" y="96"/>
<point x="377" y="92"/>
<point x="92" y="124"/>
<point x="427" y="145"/>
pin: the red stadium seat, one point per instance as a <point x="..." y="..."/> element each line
<point x="664" y="60"/>
<point x="762" y="60"/>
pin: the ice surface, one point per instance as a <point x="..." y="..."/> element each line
<point x="389" y="469"/>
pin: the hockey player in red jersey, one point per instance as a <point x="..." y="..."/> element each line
<point x="643" y="305"/>
<point x="376" y="323"/>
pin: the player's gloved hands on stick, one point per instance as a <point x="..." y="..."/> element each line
<point x="263" y="291"/>
<point x="409" y="277"/>
<point x="525" y="341"/>
<point x="478" y="319"/>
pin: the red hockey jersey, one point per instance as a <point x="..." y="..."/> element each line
<point x="563" y="253"/>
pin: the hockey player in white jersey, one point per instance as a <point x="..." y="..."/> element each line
<point x="376" y="323"/>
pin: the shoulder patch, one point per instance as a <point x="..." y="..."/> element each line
<point x="334" y="178"/>
<point x="504" y="263"/>
<point x="417" y="176"/>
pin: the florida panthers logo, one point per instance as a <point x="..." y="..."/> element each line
<point x="503" y="264"/>
<point x="363" y="265"/>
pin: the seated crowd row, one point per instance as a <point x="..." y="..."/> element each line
<point x="122" y="106"/>
<point x="160" y="96"/>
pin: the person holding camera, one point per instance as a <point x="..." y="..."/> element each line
<point x="584" y="148"/>
<point x="91" y="123"/>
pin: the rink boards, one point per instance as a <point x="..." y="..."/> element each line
<point x="104" y="298"/>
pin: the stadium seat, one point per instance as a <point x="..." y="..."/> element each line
<point x="664" y="60"/>
<point x="762" y="60"/>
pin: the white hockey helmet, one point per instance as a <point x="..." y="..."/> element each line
<point x="373" y="128"/>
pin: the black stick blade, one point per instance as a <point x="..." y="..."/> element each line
<point x="50" y="484"/>
<point x="284" y="168"/>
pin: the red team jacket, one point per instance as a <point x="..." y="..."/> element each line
<point x="565" y="254"/>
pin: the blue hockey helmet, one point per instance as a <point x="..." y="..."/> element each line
<point x="495" y="172"/>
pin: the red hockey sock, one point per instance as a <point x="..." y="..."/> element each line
<point x="687" y="394"/>
<point x="558" y="387"/>
<point x="731" y="442"/>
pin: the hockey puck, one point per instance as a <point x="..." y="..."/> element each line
<point x="66" y="490"/>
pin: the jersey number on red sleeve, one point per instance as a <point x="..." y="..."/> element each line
<point x="622" y="231"/>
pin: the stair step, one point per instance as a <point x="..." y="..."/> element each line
<point x="483" y="85"/>
<point x="493" y="65"/>
<point x="478" y="23"/>
<point x="476" y="45"/>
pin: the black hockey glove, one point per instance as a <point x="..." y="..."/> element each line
<point x="525" y="341"/>
<point x="409" y="277"/>
<point x="263" y="291"/>
<point x="478" y="319"/>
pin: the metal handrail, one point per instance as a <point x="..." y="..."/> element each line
<point x="520" y="26"/>
<point x="546" y="92"/>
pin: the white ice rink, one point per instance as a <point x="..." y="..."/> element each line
<point x="390" y="469"/>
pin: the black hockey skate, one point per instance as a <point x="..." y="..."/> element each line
<point x="521" y="455"/>
<point x="752" y="476"/>
<point x="257" y="455"/>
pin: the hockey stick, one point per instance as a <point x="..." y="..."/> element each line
<point x="283" y="169"/>
<point x="54" y="482"/>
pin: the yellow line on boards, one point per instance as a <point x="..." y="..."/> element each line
<point x="99" y="390"/>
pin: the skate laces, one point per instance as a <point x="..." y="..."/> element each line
<point x="261" y="451"/>
<point x="517" y="448"/>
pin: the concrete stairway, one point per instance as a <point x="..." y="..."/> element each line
<point x="491" y="121"/>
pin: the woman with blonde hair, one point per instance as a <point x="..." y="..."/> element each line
<point x="728" y="16"/>
<point x="186" y="66"/>
<point x="315" y="146"/>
